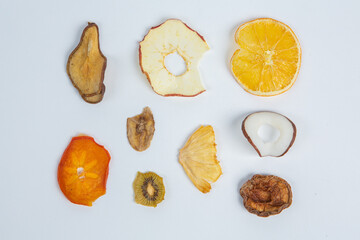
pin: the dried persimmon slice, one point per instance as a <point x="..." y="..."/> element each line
<point x="83" y="170"/>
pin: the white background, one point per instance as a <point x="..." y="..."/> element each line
<point x="41" y="111"/>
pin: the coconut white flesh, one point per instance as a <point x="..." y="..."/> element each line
<point x="278" y="147"/>
<point x="173" y="36"/>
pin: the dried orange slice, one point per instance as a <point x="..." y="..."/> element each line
<point x="198" y="158"/>
<point x="83" y="170"/>
<point x="269" y="57"/>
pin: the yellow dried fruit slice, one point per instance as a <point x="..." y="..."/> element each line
<point x="198" y="158"/>
<point x="140" y="130"/>
<point x="86" y="66"/>
<point x="149" y="189"/>
<point x="169" y="37"/>
<point x="269" y="57"/>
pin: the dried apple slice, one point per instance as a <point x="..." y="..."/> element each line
<point x="140" y="130"/>
<point x="172" y="36"/>
<point x="83" y="170"/>
<point x="281" y="145"/>
<point x="86" y="66"/>
<point x="198" y="158"/>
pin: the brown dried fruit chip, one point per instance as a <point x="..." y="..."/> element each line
<point x="266" y="195"/>
<point x="86" y="66"/>
<point x="140" y="130"/>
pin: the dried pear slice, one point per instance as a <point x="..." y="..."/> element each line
<point x="95" y="98"/>
<point x="86" y="66"/>
<point x="149" y="189"/>
<point x="140" y="130"/>
<point x="198" y="158"/>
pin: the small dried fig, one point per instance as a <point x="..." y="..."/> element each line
<point x="266" y="195"/>
<point x="140" y="130"/>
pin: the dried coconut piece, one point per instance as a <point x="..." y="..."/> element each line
<point x="266" y="195"/>
<point x="281" y="145"/>
<point x="86" y="66"/>
<point x="140" y="130"/>
<point x="198" y="158"/>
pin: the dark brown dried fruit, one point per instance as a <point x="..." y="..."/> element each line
<point x="86" y="66"/>
<point x="140" y="130"/>
<point x="266" y="195"/>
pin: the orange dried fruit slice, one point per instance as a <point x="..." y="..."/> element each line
<point x="83" y="170"/>
<point x="269" y="57"/>
<point x="198" y="158"/>
<point x="86" y="66"/>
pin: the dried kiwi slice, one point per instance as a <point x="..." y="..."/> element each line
<point x="149" y="189"/>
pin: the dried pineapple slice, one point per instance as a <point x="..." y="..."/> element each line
<point x="198" y="158"/>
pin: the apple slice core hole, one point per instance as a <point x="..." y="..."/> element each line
<point x="175" y="64"/>
<point x="268" y="133"/>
